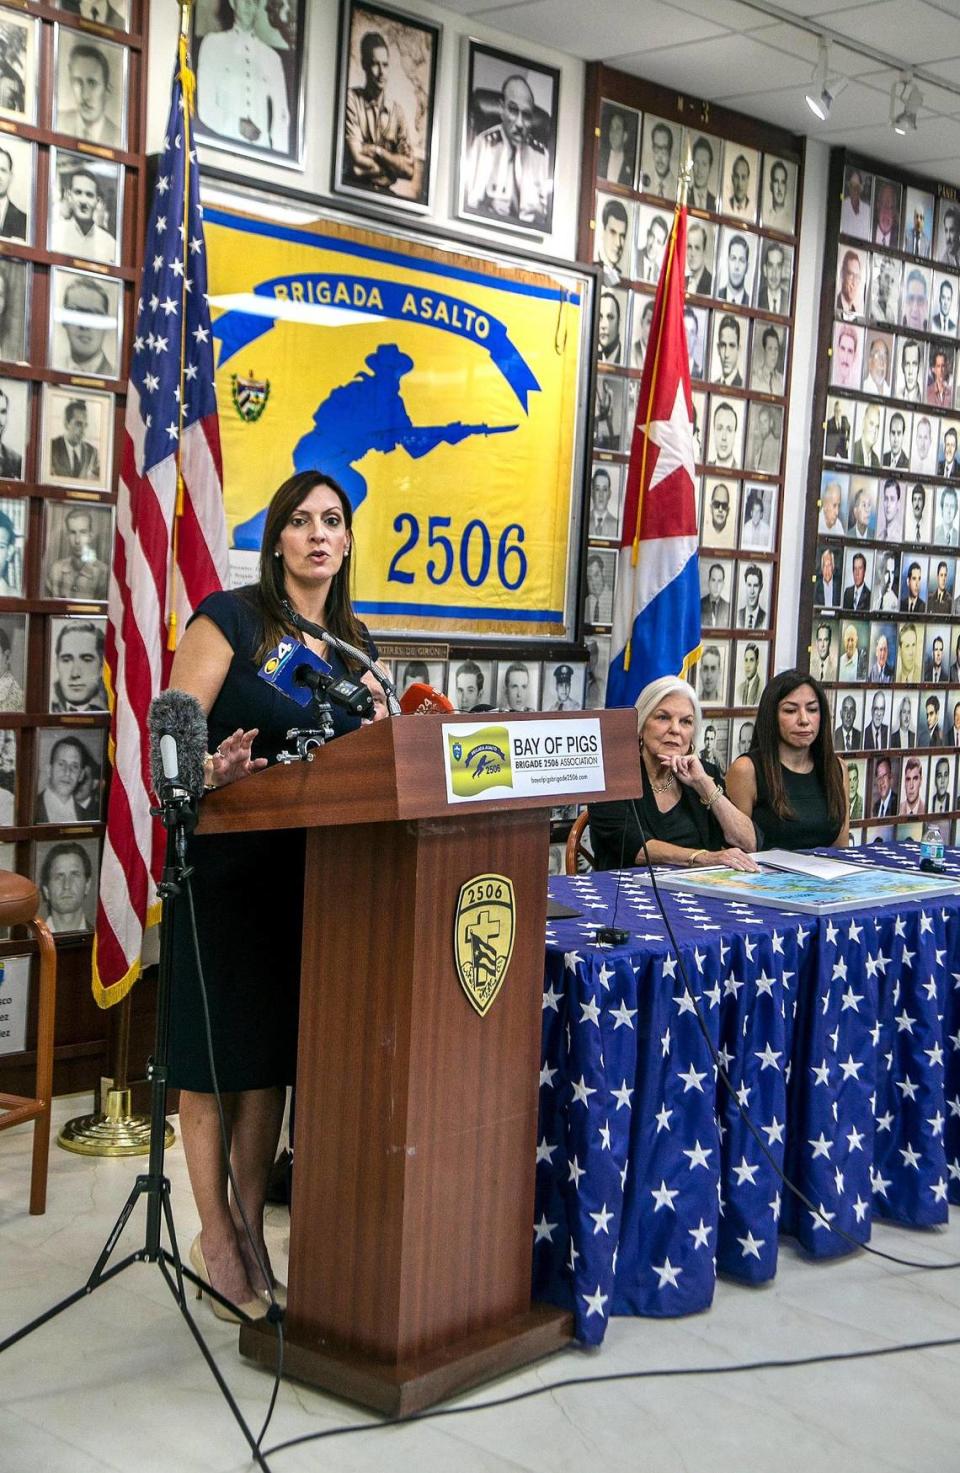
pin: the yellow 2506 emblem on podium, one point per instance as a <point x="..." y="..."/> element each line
<point x="483" y="937"/>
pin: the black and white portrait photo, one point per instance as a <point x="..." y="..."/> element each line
<point x="471" y="683"/>
<point x="704" y="151"/>
<point x="13" y="535"/>
<point x="508" y="141"/>
<point x="729" y="349"/>
<point x="918" y="222"/>
<point x="716" y="592"/>
<point x="915" y="298"/>
<point x="606" y="496"/>
<point x="897" y="439"/>
<point x="778" y="199"/>
<point x="598" y="664"/>
<point x="615" y="230"/>
<point x="69" y="776"/>
<point x="660" y="158"/>
<point x="13" y="428"/>
<point x="85" y="210"/>
<point x="16" y="189"/>
<point x="77" y="541"/>
<point x="519" y="683"/>
<point x="427" y="672"/>
<point x="776" y="278"/>
<point x="947" y="240"/>
<point x="641" y="321"/>
<point x="75" y="665"/>
<point x="764" y="440"/>
<point x="725" y="438"/>
<point x="701" y="257"/>
<point x="248" y="58"/>
<point x="736" y="266"/>
<point x="838" y="428"/>
<point x="563" y="686"/>
<point x="385" y="120"/>
<point x="750" y="671"/>
<point x="759" y="519"/>
<point x="653" y="232"/>
<point x="712" y="672"/>
<point x="608" y="412"/>
<point x="13" y="644"/>
<point x="719" y="516"/>
<point x="884" y="299"/>
<point x="741" y="182"/>
<point x="923" y="452"/>
<point x="856" y="212"/>
<point x="67" y="875"/>
<point x="696" y="327"/>
<point x="769" y="358"/>
<point x="910" y="359"/>
<point x="18" y="67"/>
<point x="715" y="738"/>
<point x="619" y="139"/>
<point x="85" y="323"/>
<point x="90" y="89"/>
<point x="611" y="325"/>
<point x="601" y="575"/>
<point x="943" y="315"/>
<point x="114" y="13"/>
<point x="14" y="297"/>
<point x="886" y="213"/>
<point x="76" y="437"/>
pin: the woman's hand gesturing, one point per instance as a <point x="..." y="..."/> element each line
<point x="232" y="759"/>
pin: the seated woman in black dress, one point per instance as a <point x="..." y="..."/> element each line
<point x="791" y="782"/>
<point x="248" y="888"/>
<point x="680" y="806"/>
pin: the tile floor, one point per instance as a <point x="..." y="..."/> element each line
<point x="116" y="1385"/>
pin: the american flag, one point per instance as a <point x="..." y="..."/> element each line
<point x="171" y="544"/>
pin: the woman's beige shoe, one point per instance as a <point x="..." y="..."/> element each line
<point x="254" y="1309"/>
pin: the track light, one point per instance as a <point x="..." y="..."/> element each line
<point x="905" y="101"/>
<point x="819" y="95"/>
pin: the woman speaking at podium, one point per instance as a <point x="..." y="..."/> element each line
<point x="248" y="888"/>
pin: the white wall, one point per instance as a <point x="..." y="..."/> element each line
<point x="320" y="104"/>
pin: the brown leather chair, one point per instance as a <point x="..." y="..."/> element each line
<point x="578" y="856"/>
<point x="19" y="906"/>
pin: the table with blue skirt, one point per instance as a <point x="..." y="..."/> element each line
<point x="841" y="1036"/>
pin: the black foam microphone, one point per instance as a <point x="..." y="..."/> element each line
<point x="178" y="743"/>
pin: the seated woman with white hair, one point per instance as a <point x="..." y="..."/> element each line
<point x="681" y="806"/>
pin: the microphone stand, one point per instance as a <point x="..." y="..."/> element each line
<point x="306" y="626"/>
<point x="178" y="813"/>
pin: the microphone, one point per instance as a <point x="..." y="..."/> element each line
<point x="355" y="698"/>
<point x="419" y="698"/>
<point x="299" y="674"/>
<point x="306" y="626"/>
<point x="178" y="743"/>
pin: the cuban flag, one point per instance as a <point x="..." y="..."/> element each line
<point x="656" y="611"/>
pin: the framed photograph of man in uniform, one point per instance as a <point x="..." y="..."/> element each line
<point x="69" y="776"/>
<point x="114" y="13"/>
<point x="75" y="665"/>
<point x="248" y="57"/>
<point x="90" y="88"/>
<point x="13" y="645"/>
<point x="86" y="323"/>
<point x="77" y="543"/>
<point x="66" y="872"/>
<point x="14" y="399"/>
<point x="778" y="195"/>
<point x="608" y="412"/>
<point x="715" y="742"/>
<point x="619" y="139"/>
<point x="18" y="67"/>
<point x="918" y="221"/>
<point x="17" y="164"/>
<point x="14" y="310"/>
<point x="85" y="212"/>
<point x="76" y="437"/>
<point x="508" y="139"/>
<point x="741" y="182"/>
<point x="563" y="686"/>
<point x="660" y="158"/>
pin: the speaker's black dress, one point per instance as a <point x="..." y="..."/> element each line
<point x="248" y="895"/>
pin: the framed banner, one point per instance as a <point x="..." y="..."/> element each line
<point x="439" y="390"/>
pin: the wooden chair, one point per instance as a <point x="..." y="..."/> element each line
<point x="19" y="906"/>
<point x="577" y="850"/>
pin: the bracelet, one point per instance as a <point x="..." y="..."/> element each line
<point x="693" y="857"/>
<point x="717" y="793"/>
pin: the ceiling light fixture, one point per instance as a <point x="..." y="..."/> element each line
<point x="819" y="94"/>
<point x="905" y="101"/>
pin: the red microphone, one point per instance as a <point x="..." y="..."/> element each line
<point x="420" y="697"/>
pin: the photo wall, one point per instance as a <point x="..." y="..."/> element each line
<point x="882" y="606"/>
<point x="740" y="270"/>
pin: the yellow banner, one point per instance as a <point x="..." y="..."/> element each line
<point x="438" y="389"/>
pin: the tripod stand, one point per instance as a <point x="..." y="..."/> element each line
<point x="179" y="817"/>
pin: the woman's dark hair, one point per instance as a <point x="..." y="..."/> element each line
<point x="338" y="616"/>
<point x="765" y="746"/>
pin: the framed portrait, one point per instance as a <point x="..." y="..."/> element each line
<point x="612" y="325"/>
<point x="945" y="521"/>
<point x="598" y="664"/>
<point x="853" y="275"/>
<point x="867" y="435"/>
<point x="902" y="718"/>
<point x="717" y="582"/>
<point x="856" y="775"/>
<point x="8" y="778"/>
<point x="941" y="783"/>
<point x="886" y="786"/>
<point x="883" y="302"/>
<point x="76" y="437"/>
<point x="66" y="872"/>
<point x="728" y="353"/>
<point x="741" y="736"/>
<point x="75" y="665"/>
<point x="862" y="508"/>
<point x="775" y="278"/>
<point x="891" y="503"/>
<point x="750" y="671"/>
<point x="14" y="405"/>
<point x="616" y="223"/>
<point x="69" y="777"/>
<point x="915" y="298"/>
<point x="944" y="303"/>
<point x="17" y="169"/>
<point x="883" y="642"/>
<point x="846" y="355"/>
<point x="519" y="685"/>
<point x="704" y="152"/>
<point x="834" y="489"/>
<point x="828" y="575"/>
<point x="716" y="742"/>
<point x="696" y="323"/>
<point x="947" y="463"/>
<point x="86" y="323"/>
<point x="887" y="201"/>
<point x="619" y="143"/>
<point x="946" y="247"/>
<point x="114" y="13"/>
<point x="508" y="139"/>
<point x="13" y="647"/>
<point x="913" y="590"/>
<point x="77" y="544"/>
<point x="897" y="439"/>
<point x="719" y="518"/>
<point x="913" y="786"/>
<point x="940" y="374"/>
<point x="848" y="732"/>
<point x="736" y="266"/>
<point x="910" y="360"/>
<point x="608" y="412"/>
<point x="838" y="428"/>
<point x="713" y="672"/>
<point x="660" y="158"/>
<point x="13" y="531"/>
<point x="754" y="596"/>
<point x="701" y="257"/>
<point x="764" y="440"/>
<point x="741" y="182"/>
<point x="563" y="686"/>
<point x="471" y="683"/>
<point x="936" y="642"/>
<point x="18" y="66"/>
<point x="931" y="728"/>
<point x="653" y="232"/>
<point x="726" y="430"/>
<point x="430" y="672"/>
<point x="699" y="402"/>
<point x="606" y="501"/>
<point x="601" y="577"/>
<point x="877" y="362"/>
<point x="857" y="585"/>
<point x="856" y="212"/>
<point x="85" y="214"/>
<point x="886" y="582"/>
<point x="90" y="88"/>
<point x="778" y="197"/>
<point x="14" y="310"/>
<point x="249" y="64"/>
<point x="759" y="521"/>
<point x="917" y="221"/>
<point x="641" y="322"/>
<point x="918" y="512"/>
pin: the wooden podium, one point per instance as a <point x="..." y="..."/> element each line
<point x="411" y="1228"/>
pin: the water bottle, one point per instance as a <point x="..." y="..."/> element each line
<point x="931" y="849"/>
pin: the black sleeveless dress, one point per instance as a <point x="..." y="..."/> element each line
<point x="248" y="895"/>
<point x="812" y="828"/>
